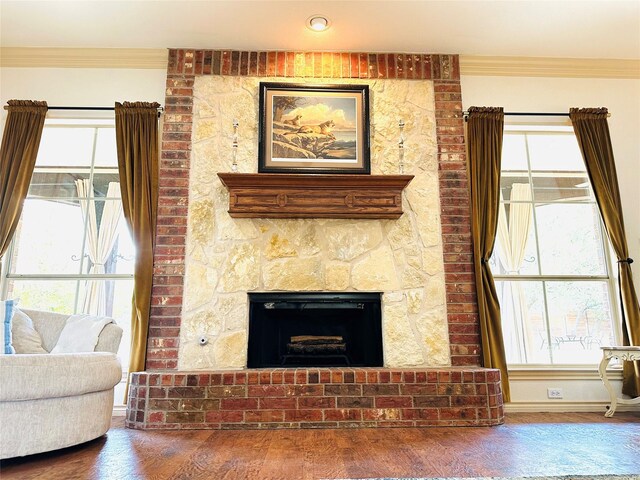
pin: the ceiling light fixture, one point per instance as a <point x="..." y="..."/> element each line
<point x="318" y="23"/>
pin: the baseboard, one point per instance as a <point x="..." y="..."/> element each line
<point x="119" y="410"/>
<point x="534" y="407"/>
<point x="517" y="407"/>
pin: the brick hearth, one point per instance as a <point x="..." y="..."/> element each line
<point x="315" y="398"/>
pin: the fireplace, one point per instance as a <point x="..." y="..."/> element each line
<point x="314" y="330"/>
<point x="206" y="262"/>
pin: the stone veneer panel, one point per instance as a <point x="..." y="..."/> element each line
<point x="169" y="260"/>
<point x="227" y="257"/>
<point x="315" y="398"/>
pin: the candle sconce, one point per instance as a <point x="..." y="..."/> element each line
<point x="234" y="146"/>
<point x="401" y="125"/>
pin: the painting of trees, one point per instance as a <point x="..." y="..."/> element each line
<point x="283" y="103"/>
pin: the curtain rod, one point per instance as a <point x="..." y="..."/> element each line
<point x="530" y="114"/>
<point x="160" y="109"/>
<point x="525" y="114"/>
<point x="81" y="108"/>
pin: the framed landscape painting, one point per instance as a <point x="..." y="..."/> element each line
<point x="313" y="129"/>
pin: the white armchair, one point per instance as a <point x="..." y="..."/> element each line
<point x="52" y="401"/>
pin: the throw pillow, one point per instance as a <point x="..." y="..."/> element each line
<point x="80" y="333"/>
<point x="7" y="307"/>
<point x="25" y="338"/>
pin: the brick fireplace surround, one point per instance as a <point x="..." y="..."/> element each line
<point x="464" y="394"/>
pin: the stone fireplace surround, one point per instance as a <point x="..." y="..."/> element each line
<point x="167" y="396"/>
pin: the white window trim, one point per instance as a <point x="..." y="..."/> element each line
<point x="65" y="122"/>
<point x="574" y="371"/>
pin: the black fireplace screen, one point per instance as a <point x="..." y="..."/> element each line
<point x="314" y="329"/>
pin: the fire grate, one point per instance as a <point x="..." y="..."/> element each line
<point x="303" y="347"/>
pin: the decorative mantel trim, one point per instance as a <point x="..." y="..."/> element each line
<point x="271" y="195"/>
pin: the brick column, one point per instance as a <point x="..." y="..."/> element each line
<point x="171" y="232"/>
<point x="462" y="306"/>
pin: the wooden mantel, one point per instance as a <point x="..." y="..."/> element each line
<point x="275" y="195"/>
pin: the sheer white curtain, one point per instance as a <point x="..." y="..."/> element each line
<point x="512" y="239"/>
<point x="100" y="241"/>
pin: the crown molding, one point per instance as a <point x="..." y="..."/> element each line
<point x="153" y="58"/>
<point x="84" y="57"/>
<point x="549" y="67"/>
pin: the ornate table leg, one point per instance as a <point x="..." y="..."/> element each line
<point x="602" y="369"/>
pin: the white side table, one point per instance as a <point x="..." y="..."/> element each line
<point x="621" y="353"/>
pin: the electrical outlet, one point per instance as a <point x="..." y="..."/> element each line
<point x="554" y="392"/>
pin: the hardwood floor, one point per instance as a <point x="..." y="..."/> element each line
<point x="526" y="445"/>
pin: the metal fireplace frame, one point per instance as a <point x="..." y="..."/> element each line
<point x="267" y="333"/>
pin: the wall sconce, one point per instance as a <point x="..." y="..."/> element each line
<point x="234" y="146"/>
<point x="401" y="147"/>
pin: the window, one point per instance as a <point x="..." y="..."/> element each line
<point x="551" y="258"/>
<point x="72" y="252"/>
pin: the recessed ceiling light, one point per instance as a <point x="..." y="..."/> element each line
<point x="318" y="23"/>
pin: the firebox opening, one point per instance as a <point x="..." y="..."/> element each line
<point x="315" y="330"/>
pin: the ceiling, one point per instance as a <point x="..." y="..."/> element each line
<point x="541" y="28"/>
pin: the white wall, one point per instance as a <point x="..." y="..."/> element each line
<point x="536" y="94"/>
<point x="91" y="87"/>
<point x="582" y="391"/>
<point x="83" y="86"/>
